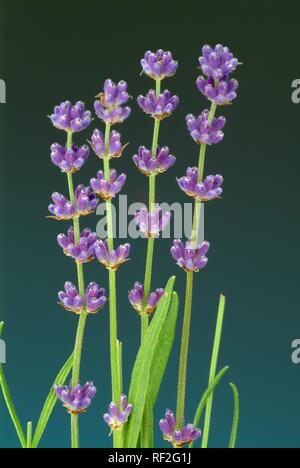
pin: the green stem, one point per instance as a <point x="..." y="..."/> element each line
<point x="29" y="435"/>
<point x="236" y="417"/>
<point x="113" y="327"/>
<point x="83" y="316"/>
<point x="213" y="369"/>
<point x="184" y="351"/>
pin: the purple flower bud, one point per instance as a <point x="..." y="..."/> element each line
<point x="151" y="224"/>
<point x="86" y="200"/>
<point x="222" y="92"/>
<point x="108" y="190"/>
<point x="71" y="118"/>
<point x="117" y="417"/>
<point x="78" y="399"/>
<point x="61" y="208"/>
<point x="188" y="257"/>
<point x="203" y="131"/>
<point x="136" y="296"/>
<point x="153" y="166"/>
<point x="217" y="62"/>
<point x="69" y="160"/>
<point x="112" y="259"/>
<point x="178" y="438"/>
<point x="84" y="250"/>
<point x="70" y="299"/>
<point x="159" y="65"/>
<point x="108" y="107"/>
<point x="95" y="298"/>
<point x="115" y="146"/>
<point x="204" y="191"/>
<point x="159" y="107"/>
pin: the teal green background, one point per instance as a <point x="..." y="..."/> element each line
<point x="57" y="50"/>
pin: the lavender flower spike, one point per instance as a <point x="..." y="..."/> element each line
<point x="61" y="208"/>
<point x="70" y="299"/>
<point x="108" y="190"/>
<point x="115" y="149"/>
<point x="136" y="296"/>
<point x="86" y="200"/>
<point x="116" y="418"/>
<point x="95" y="298"/>
<point x="188" y="257"/>
<point x="152" y="223"/>
<point x="178" y="438"/>
<point x="84" y="250"/>
<point x="222" y="92"/>
<point x="153" y="166"/>
<point x="159" y="107"/>
<point x="69" y="160"/>
<point x="217" y="62"/>
<point x="159" y="65"/>
<point x="71" y="118"/>
<point x="108" y="107"/>
<point x="112" y="259"/>
<point x="203" y="131"/>
<point x="204" y="191"/>
<point x="78" y="399"/>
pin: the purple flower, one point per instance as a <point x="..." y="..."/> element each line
<point x="114" y="95"/>
<point x="204" y="191"/>
<point x="178" y="438"/>
<point x="136" y="296"/>
<point x="61" y="208"/>
<point x="108" y="190"/>
<point x="78" y="399"/>
<point x="83" y="251"/>
<point x="71" y="118"/>
<point x="188" y="257"/>
<point x="112" y="259"/>
<point x="70" y="298"/>
<point x="159" y="65"/>
<point x="108" y="107"/>
<point x="203" y="131"/>
<point x="159" y="107"/>
<point x="153" y="166"/>
<point x="115" y="147"/>
<point x="95" y="298"/>
<point x="217" y="62"/>
<point x="86" y="200"/>
<point x="151" y="224"/>
<point x="117" y="417"/>
<point x="69" y="160"/>
<point x="222" y="92"/>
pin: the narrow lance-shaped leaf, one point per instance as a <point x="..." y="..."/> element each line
<point x="141" y="371"/>
<point x="206" y="396"/>
<point x="236" y="416"/>
<point x="50" y="402"/>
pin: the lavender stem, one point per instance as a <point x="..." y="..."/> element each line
<point x="114" y="352"/>
<point x="83" y="315"/>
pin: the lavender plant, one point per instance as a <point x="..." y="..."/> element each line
<point x="130" y="418"/>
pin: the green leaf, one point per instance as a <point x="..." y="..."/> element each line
<point x="164" y="348"/>
<point x="50" y="402"/>
<point x="236" y="416"/>
<point x="11" y="409"/>
<point x="141" y="371"/>
<point x="206" y="396"/>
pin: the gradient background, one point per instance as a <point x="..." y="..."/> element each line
<point x="57" y="50"/>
